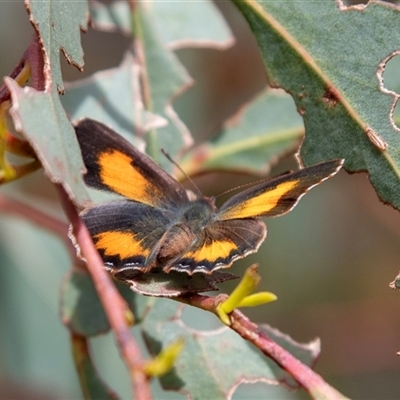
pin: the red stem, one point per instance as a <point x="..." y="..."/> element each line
<point x="15" y="207"/>
<point x="34" y="56"/>
<point x="114" y="306"/>
<point x="305" y="376"/>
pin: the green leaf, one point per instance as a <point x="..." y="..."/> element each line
<point x="58" y="24"/>
<point x="40" y="117"/>
<point x="330" y="58"/>
<point x="165" y="78"/>
<point x="81" y="309"/>
<point x="111" y="17"/>
<point x="178" y="24"/>
<point x="265" y="129"/>
<point x="92" y="385"/>
<point x="181" y="24"/>
<point x="172" y="284"/>
<point x="213" y="363"/>
<point x="391" y="78"/>
<point x="112" y="97"/>
<point x="80" y="305"/>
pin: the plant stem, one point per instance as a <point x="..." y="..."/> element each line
<point x="115" y="307"/>
<point x="15" y="207"/>
<point x="305" y="376"/>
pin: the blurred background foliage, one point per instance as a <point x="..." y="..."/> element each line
<point x="329" y="261"/>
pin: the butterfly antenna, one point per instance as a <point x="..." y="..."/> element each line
<point x="250" y="184"/>
<point x="169" y="158"/>
<point x="240" y="187"/>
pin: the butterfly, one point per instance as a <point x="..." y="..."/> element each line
<point x="158" y="226"/>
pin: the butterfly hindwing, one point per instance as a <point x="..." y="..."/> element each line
<point x="126" y="233"/>
<point x="222" y="243"/>
<point x="113" y="164"/>
<point x="279" y="195"/>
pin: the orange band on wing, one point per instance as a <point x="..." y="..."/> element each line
<point x="118" y="173"/>
<point x="122" y="244"/>
<point x="213" y="251"/>
<point x="261" y="203"/>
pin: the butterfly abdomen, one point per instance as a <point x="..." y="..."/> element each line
<point x="174" y="243"/>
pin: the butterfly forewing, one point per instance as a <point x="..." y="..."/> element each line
<point x="279" y="195"/>
<point x="113" y="164"/>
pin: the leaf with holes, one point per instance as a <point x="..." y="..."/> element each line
<point x="391" y="78"/>
<point x="213" y="363"/>
<point x="334" y="70"/>
<point x="39" y="116"/>
<point x="172" y="284"/>
<point x="58" y="25"/>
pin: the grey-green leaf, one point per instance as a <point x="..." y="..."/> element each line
<point x="330" y="58"/>
<point x="214" y="363"/>
<point x="92" y="385"/>
<point x="113" y="97"/>
<point x="266" y="128"/>
<point x="80" y="306"/>
<point x="178" y="24"/>
<point x="58" y="24"/>
<point x="174" y="283"/>
<point x="40" y="117"/>
<point x="165" y="78"/>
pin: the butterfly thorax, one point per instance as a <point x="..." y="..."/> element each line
<point x="198" y="212"/>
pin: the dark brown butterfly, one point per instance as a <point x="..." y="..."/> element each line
<point x="157" y="226"/>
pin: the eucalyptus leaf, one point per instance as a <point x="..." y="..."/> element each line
<point x="172" y="284"/>
<point x="58" y="24"/>
<point x="330" y="58"/>
<point x="113" y="97"/>
<point x="391" y="81"/>
<point x="179" y="24"/>
<point x="252" y="139"/>
<point x="92" y="385"/>
<point x="40" y="117"/>
<point x="213" y="363"/>
<point x="165" y="78"/>
<point x="80" y="306"/>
